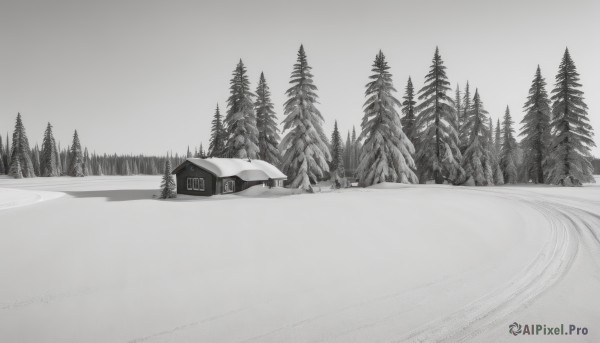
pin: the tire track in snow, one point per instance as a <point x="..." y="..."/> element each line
<point x="550" y="265"/>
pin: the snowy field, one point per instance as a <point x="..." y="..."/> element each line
<point x="97" y="259"/>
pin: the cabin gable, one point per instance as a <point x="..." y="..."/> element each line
<point x="194" y="180"/>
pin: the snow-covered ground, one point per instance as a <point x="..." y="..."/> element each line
<point x="102" y="261"/>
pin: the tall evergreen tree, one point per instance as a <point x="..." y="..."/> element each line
<point x="2" y="167"/>
<point x="76" y="158"/>
<point x="336" y="168"/>
<point x="494" y="147"/>
<point x="477" y="160"/>
<point x="48" y="158"/>
<point x="304" y="147"/>
<point x="347" y="155"/>
<point x="85" y="165"/>
<point x="569" y="152"/>
<point x="268" y="136"/>
<point x="464" y="136"/>
<point x="535" y="130"/>
<point x="35" y="159"/>
<point x="508" y="152"/>
<point x="438" y="155"/>
<point x="386" y="155"/>
<point x="218" y="136"/>
<point x="168" y="186"/>
<point x="21" y="164"/>
<point x="240" y="121"/>
<point x="408" y="112"/>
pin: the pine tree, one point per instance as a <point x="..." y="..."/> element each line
<point x="2" y="167"/>
<point x="48" y="158"/>
<point x="386" y="155"/>
<point x="188" y="154"/>
<point x="304" y="148"/>
<point x="21" y="164"/>
<point x="348" y="150"/>
<point x="75" y="159"/>
<point x="408" y="112"/>
<point x="35" y="159"/>
<point x="337" y="154"/>
<point x="535" y="130"/>
<point x="58" y="160"/>
<point x="569" y="151"/>
<point x="509" y="149"/>
<point x="356" y="148"/>
<point x="438" y="155"/>
<point x="85" y="166"/>
<point x="464" y="136"/>
<point x="218" y="136"/>
<point x="168" y="186"/>
<point x="240" y="122"/>
<point x="477" y="161"/>
<point x="268" y="137"/>
<point x="458" y="110"/>
<point x="494" y="147"/>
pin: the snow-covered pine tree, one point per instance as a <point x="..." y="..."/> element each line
<point x="508" y="150"/>
<point x="356" y="148"/>
<point x="20" y="152"/>
<point x="458" y="110"/>
<point x="304" y="148"/>
<point x="438" y="155"/>
<point x="75" y="158"/>
<point x="85" y="166"/>
<point x="240" y="121"/>
<point x="35" y="160"/>
<point x="535" y="130"/>
<point x="386" y="155"/>
<point x="48" y="157"/>
<point x="336" y="168"/>
<point x="168" y="188"/>
<point x="408" y="112"/>
<point x="218" y="136"/>
<point x="477" y="161"/>
<point x="347" y="153"/>
<point x="494" y="148"/>
<point x="464" y="136"/>
<point x="569" y="160"/>
<point x="2" y="167"/>
<point x="58" y="160"/>
<point x="268" y="136"/>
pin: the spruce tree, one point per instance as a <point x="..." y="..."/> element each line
<point x="408" y="112"/>
<point x="218" y="136"/>
<point x="494" y="147"/>
<point x="75" y="158"/>
<point x="240" y="121"/>
<point x="2" y="167"/>
<point x="48" y="158"/>
<point x="477" y="160"/>
<point x="386" y="155"/>
<point x="85" y="166"/>
<point x="58" y="160"/>
<point x="304" y="148"/>
<point x="21" y="163"/>
<point x="168" y="186"/>
<point x="535" y="130"/>
<point x="464" y="136"/>
<point x="347" y="154"/>
<point x="569" y="152"/>
<point x="508" y="150"/>
<point x="438" y="155"/>
<point x="336" y="168"/>
<point x="268" y="136"/>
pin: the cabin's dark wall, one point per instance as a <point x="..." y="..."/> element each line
<point x="191" y="170"/>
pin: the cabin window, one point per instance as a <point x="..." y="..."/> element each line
<point x="228" y="186"/>
<point x="189" y="183"/>
<point x="198" y="184"/>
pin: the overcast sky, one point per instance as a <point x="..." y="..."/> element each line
<point x="145" y="76"/>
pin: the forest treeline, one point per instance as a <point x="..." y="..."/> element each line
<point x="436" y="133"/>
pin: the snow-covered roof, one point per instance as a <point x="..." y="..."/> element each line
<point x="247" y="170"/>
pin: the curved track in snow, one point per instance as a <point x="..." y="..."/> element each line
<point x="570" y="229"/>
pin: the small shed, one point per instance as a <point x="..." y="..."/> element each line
<point x="210" y="176"/>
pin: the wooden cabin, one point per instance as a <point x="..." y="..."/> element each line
<point x="210" y="176"/>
